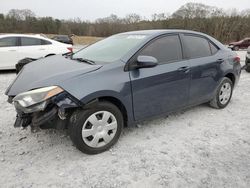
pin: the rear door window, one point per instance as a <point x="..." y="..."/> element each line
<point x="197" y="46"/>
<point x="165" y="49"/>
<point x="28" y="41"/>
<point x="8" y="42"/>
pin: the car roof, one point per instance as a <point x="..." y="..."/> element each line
<point x="156" y="32"/>
<point x="23" y="35"/>
<point x="151" y="34"/>
<point x="37" y="36"/>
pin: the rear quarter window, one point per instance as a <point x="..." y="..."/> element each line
<point x="214" y="49"/>
<point x="45" y="42"/>
<point x="197" y="46"/>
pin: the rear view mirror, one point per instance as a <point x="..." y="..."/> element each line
<point x="146" y="62"/>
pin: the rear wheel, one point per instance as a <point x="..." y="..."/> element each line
<point x="96" y="129"/>
<point x="223" y="94"/>
<point x="248" y="68"/>
<point x="236" y="48"/>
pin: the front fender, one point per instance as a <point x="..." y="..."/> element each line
<point x="126" y="102"/>
<point x="109" y="81"/>
<point x="100" y="94"/>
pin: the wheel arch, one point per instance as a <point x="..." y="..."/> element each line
<point x="228" y="75"/>
<point x="231" y="76"/>
<point x="115" y="99"/>
<point x="118" y="104"/>
<point x="49" y="55"/>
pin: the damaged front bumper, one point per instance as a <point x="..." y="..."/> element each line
<point x="52" y="113"/>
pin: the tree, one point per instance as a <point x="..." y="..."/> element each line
<point x="196" y="10"/>
<point x="159" y="17"/>
<point x="224" y="25"/>
<point x="132" y="18"/>
<point x="20" y="14"/>
<point x="1" y="16"/>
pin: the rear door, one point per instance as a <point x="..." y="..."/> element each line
<point x="163" y="88"/>
<point x="34" y="47"/>
<point x="9" y="52"/>
<point x="204" y="59"/>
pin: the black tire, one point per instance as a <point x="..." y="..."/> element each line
<point x="78" y="119"/>
<point x="236" y="48"/>
<point x="215" y="102"/>
<point x="248" y="68"/>
<point x="23" y="62"/>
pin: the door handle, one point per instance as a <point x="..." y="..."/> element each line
<point x="12" y="50"/>
<point x="184" y="69"/>
<point x="42" y="49"/>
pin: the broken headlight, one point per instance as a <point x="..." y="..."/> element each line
<point x="35" y="100"/>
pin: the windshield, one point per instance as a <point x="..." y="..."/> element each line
<point x="110" y="49"/>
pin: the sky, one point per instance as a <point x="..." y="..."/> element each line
<point x="93" y="9"/>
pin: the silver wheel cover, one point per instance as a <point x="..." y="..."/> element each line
<point x="225" y="93"/>
<point x="99" y="129"/>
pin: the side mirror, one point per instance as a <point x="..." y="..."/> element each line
<point x="146" y="62"/>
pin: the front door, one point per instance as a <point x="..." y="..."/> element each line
<point x="163" y="88"/>
<point x="9" y="52"/>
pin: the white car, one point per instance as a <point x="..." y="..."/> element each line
<point x="14" y="47"/>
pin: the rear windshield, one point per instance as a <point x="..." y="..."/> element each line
<point x="110" y="49"/>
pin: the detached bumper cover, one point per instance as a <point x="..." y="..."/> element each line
<point x="22" y="120"/>
<point x="42" y="118"/>
<point x="48" y="118"/>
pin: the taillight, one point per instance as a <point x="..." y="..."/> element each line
<point x="237" y="59"/>
<point x="70" y="49"/>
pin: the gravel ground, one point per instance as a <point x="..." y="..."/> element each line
<point x="198" y="147"/>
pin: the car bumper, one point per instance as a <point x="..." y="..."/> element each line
<point x="55" y="115"/>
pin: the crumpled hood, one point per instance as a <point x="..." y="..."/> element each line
<point x="48" y="72"/>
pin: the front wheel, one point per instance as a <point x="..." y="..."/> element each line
<point x="97" y="128"/>
<point x="223" y="94"/>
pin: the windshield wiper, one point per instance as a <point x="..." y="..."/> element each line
<point x="84" y="60"/>
<point x="68" y="54"/>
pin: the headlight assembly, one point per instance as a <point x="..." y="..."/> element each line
<point x="36" y="99"/>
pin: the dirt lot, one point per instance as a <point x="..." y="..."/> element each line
<point x="199" y="147"/>
<point x="80" y="40"/>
